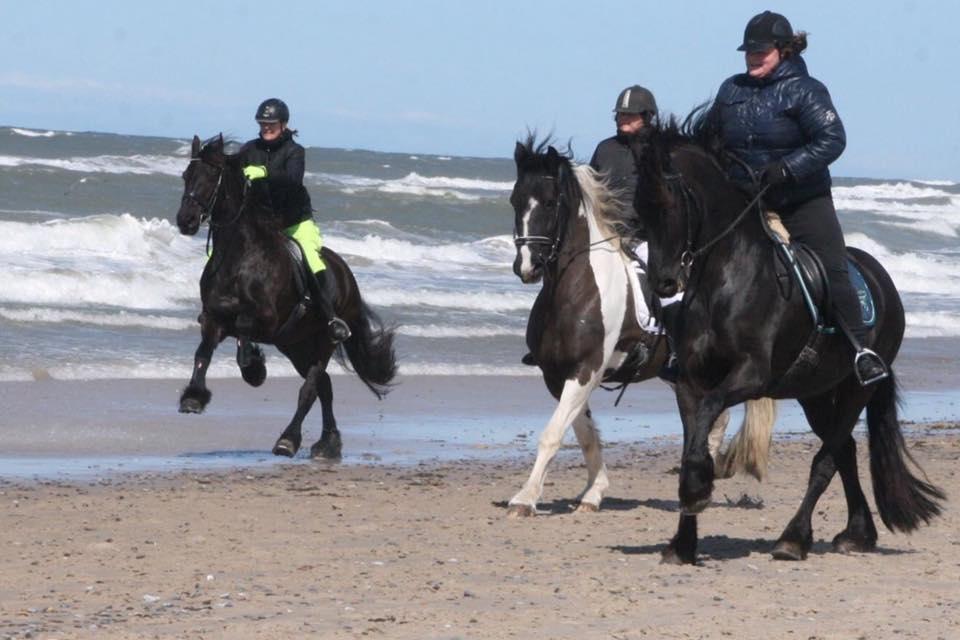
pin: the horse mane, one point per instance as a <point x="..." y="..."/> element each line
<point x="588" y="188"/>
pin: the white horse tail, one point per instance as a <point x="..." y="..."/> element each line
<point x="749" y="451"/>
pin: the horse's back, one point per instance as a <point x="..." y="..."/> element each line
<point x="889" y="306"/>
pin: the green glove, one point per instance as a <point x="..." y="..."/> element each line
<point x="255" y="171"/>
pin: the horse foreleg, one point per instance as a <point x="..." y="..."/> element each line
<point x="597" y="482"/>
<point x="329" y="445"/>
<point x="683" y="547"/>
<point x="573" y="401"/>
<point x="289" y="441"/>
<point x="196" y="396"/>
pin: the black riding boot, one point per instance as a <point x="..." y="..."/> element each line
<point x="867" y="364"/>
<point x="322" y="299"/>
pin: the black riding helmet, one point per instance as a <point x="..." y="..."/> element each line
<point x="273" y="110"/>
<point x="635" y="99"/>
<point x="765" y="31"/>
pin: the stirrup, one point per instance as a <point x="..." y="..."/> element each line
<point x="866" y="353"/>
<point x="339" y="330"/>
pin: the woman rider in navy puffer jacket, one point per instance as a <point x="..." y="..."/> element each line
<point x="782" y="124"/>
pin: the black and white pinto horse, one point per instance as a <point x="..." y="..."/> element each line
<point x="584" y="327"/>
<point x="249" y="291"/>
<point x="741" y="336"/>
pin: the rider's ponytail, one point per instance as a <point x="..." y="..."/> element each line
<point x="794" y="46"/>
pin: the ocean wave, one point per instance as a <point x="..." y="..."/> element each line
<point x="122" y="318"/>
<point x="110" y="164"/>
<point x="932" y="324"/>
<point x="30" y="133"/>
<point x="926" y="273"/>
<point x="225" y="368"/>
<point x="482" y="253"/>
<point x="445" y="299"/>
<point x="459" y="331"/>
<point x="414" y="184"/>
<point x="891" y="191"/>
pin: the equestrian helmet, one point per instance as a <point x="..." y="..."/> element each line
<point x="273" y="110"/>
<point x="635" y="99"/>
<point x="765" y="31"/>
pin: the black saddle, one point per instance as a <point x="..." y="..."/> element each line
<point x="799" y="264"/>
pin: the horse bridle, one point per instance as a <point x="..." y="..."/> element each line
<point x="521" y="241"/>
<point x="690" y="254"/>
<point x="205" y="209"/>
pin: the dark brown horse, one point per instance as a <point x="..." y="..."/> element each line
<point x="249" y="291"/>
<point x="584" y="328"/>
<point x="740" y="335"/>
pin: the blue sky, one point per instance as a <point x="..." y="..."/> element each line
<point x="468" y="78"/>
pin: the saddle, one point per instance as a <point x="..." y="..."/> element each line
<point x="797" y="265"/>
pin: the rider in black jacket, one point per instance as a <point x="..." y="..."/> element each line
<point x="274" y="156"/>
<point x="781" y="124"/>
<point x="614" y="157"/>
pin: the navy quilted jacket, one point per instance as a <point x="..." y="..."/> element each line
<point x="788" y="115"/>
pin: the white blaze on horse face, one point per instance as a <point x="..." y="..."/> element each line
<point x="526" y="258"/>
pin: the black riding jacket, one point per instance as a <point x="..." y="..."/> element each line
<point x="786" y="116"/>
<point x="284" y="160"/>
<point x="614" y="157"/>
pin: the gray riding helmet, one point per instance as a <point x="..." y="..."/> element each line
<point x="636" y="99"/>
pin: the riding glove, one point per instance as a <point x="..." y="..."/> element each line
<point x="774" y="174"/>
<point x="255" y="171"/>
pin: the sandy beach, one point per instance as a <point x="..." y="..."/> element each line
<point x="124" y="519"/>
<point x="357" y="551"/>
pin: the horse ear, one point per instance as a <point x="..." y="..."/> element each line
<point x="553" y="159"/>
<point x="195" y="147"/>
<point x="519" y="153"/>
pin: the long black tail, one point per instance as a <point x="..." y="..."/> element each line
<point x="902" y="499"/>
<point x="370" y="349"/>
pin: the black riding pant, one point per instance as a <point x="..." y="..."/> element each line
<point x="815" y="224"/>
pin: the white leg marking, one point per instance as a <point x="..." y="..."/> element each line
<point x="597" y="481"/>
<point x="573" y="401"/>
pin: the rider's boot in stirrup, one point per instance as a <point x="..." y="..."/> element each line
<point x="323" y="305"/>
<point x="869" y="367"/>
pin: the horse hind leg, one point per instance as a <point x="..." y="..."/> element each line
<point x="289" y="441"/>
<point x="573" y="401"/>
<point x="329" y="446"/>
<point x="749" y="450"/>
<point x="597" y="482"/>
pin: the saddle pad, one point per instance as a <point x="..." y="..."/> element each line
<point x="814" y="281"/>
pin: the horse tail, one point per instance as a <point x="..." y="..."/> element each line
<point x="370" y="350"/>
<point x="903" y="500"/>
<point x="749" y="451"/>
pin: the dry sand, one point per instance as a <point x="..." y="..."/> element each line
<point x="336" y="551"/>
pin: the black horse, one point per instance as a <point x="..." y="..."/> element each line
<point x="741" y="335"/>
<point x="249" y="291"/>
<point x="584" y="328"/>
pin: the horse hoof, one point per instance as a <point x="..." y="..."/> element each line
<point x="284" y="447"/>
<point x="670" y="556"/>
<point x="254" y="374"/>
<point x="785" y="550"/>
<point x="191" y="405"/>
<point x="845" y="544"/>
<point x="587" y="507"/>
<point x="326" y="452"/>
<point x="521" y="511"/>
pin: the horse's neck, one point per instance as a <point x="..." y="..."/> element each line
<point x="746" y="254"/>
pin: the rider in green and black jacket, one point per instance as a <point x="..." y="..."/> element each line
<point x="274" y="156"/>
